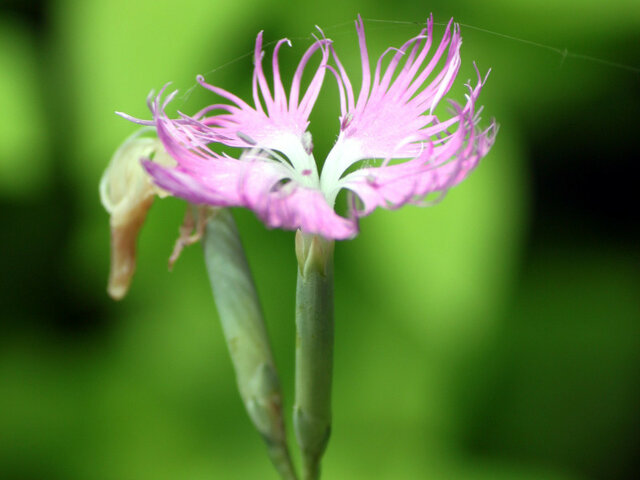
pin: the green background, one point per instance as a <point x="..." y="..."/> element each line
<point x="494" y="336"/>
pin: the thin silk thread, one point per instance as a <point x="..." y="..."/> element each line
<point x="564" y="53"/>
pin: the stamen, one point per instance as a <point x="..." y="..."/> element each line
<point x="346" y="121"/>
<point x="307" y="143"/>
<point x="247" y="138"/>
<point x="139" y="121"/>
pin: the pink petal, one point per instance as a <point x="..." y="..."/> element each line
<point x="392" y="118"/>
<point x="281" y="121"/>
<point x="257" y="186"/>
<point x="441" y="165"/>
<point x="255" y="181"/>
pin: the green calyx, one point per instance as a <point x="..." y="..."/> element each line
<point x="314" y="254"/>
<point x="314" y="350"/>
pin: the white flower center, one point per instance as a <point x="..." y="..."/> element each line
<point x="344" y="153"/>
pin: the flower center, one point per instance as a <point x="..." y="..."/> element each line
<point x="344" y="153"/>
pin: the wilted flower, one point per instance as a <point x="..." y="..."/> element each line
<point x="392" y="118"/>
<point x="126" y="192"/>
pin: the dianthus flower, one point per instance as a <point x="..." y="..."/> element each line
<point x="392" y="149"/>
<point x="391" y="119"/>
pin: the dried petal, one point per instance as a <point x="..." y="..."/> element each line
<point x="126" y="192"/>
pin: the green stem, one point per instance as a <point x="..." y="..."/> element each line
<point x="246" y="336"/>
<point x="314" y="350"/>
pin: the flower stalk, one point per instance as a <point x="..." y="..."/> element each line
<point x="314" y="349"/>
<point x="246" y="335"/>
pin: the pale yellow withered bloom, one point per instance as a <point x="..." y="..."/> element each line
<point x="126" y="191"/>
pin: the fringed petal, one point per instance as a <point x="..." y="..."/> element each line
<point x="281" y="122"/>
<point x="392" y="118"/>
<point x="273" y="189"/>
<point x="442" y="164"/>
<point x="259" y="186"/>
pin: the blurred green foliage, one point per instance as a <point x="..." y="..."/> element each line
<point x="465" y="349"/>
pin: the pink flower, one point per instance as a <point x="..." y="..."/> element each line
<point x="392" y="118"/>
